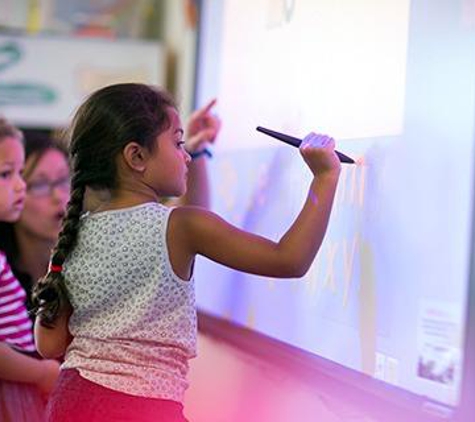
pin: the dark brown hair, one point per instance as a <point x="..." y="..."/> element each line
<point x="103" y="125"/>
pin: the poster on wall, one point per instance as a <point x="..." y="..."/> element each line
<point x="43" y="80"/>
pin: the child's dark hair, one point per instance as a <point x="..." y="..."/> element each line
<point x="103" y="125"/>
<point x="37" y="144"/>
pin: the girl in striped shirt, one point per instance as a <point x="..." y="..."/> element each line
<point x="25" y="380"/>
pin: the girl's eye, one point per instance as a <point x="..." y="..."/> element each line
<point x="6" y="174"/>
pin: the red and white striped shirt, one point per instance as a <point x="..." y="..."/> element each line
<point x="15" y="326"/>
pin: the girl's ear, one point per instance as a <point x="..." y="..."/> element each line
<point x="135" y="156"/>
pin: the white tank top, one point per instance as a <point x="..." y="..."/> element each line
<point x="134" y="320"/>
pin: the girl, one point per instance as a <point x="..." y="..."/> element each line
<point x="29" y="241"/>
<point x="23" y="379"/>
<point x="119" y="294"/>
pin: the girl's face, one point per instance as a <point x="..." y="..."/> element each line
<point x="12" y="186"/>
<point x="48" y="190"/>
<point x="168" y="166"/>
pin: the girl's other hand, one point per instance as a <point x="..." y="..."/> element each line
<point x="50" y="374"/>
<point x="202" y="128"/>
<point x="318" y="152"/>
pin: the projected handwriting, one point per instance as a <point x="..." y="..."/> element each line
<point x="335" y="255"/>
<point x="351" y="186"/>
<point x="348" y="258"/>
<point x="280" y="12"/>
<point x="228" y="186"/>
<point x="329" y="282"/>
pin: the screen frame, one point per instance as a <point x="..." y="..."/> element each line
<point x="374" y="397"/>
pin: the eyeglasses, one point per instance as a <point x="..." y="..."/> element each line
<point x="46" y="187"/>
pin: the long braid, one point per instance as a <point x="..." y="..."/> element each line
<point x="49" y="294"/>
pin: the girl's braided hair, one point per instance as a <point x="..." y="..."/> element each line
<point x="102" y="126"/>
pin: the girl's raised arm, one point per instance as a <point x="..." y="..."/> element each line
<point x="201" y="232"/>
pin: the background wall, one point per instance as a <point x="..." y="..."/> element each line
<point x="172" y="24"/>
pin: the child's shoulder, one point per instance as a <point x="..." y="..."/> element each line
<point x="190" y="217"/>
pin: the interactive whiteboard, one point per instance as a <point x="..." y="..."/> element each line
<point x="394" y="83"/>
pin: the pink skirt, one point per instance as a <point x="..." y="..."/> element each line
<point x="76" y="399"/>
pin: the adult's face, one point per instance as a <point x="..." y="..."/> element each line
<point x="47" y="195"/>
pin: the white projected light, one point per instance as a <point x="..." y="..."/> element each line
<point x="354" y="54"/>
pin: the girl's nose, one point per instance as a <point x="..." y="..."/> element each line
<point x="187" y="157"/>
<point x="20" y="184"/>
<point x="59" y="195"/>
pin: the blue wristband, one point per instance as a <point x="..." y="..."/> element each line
<point x="197" y="154"/>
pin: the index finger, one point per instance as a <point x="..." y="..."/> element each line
<point x="206" y="109"/>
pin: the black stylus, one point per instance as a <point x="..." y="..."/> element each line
<point x="296" y="142"/>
